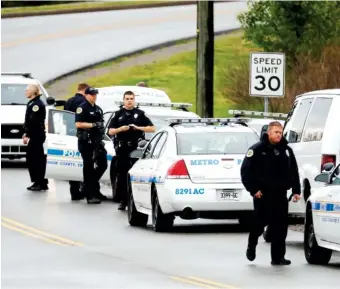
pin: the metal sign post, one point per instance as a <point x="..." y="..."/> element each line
<point x="267" y="75"/>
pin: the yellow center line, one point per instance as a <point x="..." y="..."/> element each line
<point x="31" y="235"/>
<point x="86" y="30"/>
<point x="217" y="284"/>
<point x="34" y="231"/>
<point x="184" y="280"/>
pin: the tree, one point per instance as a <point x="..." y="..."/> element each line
<point x="292" y="27"/>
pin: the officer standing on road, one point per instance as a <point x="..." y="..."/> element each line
<point x="34" y="136"/>
<point x="90" y="132"/>
<point x="71" y="105"/>
<point x="268" y="171"/>
<point x="128" y="125"/>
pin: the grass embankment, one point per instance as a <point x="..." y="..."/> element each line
<point x="79" y="5"/>
<point x="177" y="75"/>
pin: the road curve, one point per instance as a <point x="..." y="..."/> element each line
<point x="50" y="46"/>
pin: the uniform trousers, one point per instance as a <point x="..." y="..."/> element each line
<point x="36" y="161"/>
<point x="271" y="209"/>
<point x="92" y="174"/>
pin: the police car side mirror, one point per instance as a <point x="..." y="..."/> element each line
<point x="263" y="130"/>
<point x="136" y="154"/>
<point x="50" y="100"/>
<point x="322" y="178"/>
<point x="327" y="167"/>
<point x="293" y="136"/>
<point x="142" y="144"/>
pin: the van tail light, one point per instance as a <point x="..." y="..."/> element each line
<point x="327" y="159"/>
<point x="178" y="171"/>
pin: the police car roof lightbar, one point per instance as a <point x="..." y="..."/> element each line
<point x="258" y="113"/>
<point x="157" y="104"/>
<point x="24" y="74"/>
<point x="242" y="121"/>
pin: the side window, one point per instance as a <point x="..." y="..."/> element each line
<point x="159" y="146"/>
<point x="151" y="145"/>
<point x="298" y="123"/>
<point x="62" y="123"/>
<point x="317" y="119"/>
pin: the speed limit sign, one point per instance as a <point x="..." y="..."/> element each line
<point x="267" y="74"/>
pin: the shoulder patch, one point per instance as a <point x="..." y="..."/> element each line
<point x="79" y="110"/>
<point x="35" y="108"/>
<point x="250" y="153"/>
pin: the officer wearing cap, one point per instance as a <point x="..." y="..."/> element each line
<point x="90" y="132"/>
<point x="128" y="125"/>
<point x="71" y="105"/>
<point x="268" y="171"/>
<point x="34" y="136"/>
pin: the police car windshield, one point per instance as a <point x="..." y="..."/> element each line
<point x="216" y="143"/>
<point x="14" y="94"/>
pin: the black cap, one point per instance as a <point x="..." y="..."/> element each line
<point x="91" y="90"/>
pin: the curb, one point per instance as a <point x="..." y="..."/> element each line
<point x="100" y="9"/>
<point x="133" y="53"/>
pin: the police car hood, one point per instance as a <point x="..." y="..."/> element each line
<point x="205" y="169"/>
<point x="13" y="114"/>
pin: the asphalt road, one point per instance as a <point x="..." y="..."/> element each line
<point x="100" y="250"/>
<point x="50" y="46"/>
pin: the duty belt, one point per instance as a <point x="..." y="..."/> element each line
<point x="127" y="143"/>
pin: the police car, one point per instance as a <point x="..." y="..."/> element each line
<point x="322" y="222"/>
<point x="13" y="108"/>
<point x="192" y="171"/>
<point x="260" y="124"/>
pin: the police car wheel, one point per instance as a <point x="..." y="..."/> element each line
<point x="314" y="254"/>
<point x="160" y="222"/>
<point x="135" y="218"/>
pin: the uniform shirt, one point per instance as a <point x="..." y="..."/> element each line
<point x="74" y="102"/>
<point x="270" y="168"/>
<point x="123" y="117"/>
<point x="86" y="112"/>
<point x="34" y="126"/>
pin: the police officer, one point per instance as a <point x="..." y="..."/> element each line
<point x="71" y="105"/>
<point x="128" y="125"/>
<point x="90" y="132"/>
<point x="268" y="171"/>
<point x="34" y="136"/>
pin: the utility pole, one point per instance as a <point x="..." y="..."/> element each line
<point x="205" y="59"/>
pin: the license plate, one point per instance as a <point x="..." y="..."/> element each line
<point x="228" y="195"/>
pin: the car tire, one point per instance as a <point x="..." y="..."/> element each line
<point x="115" y="195"/>
<point x="160" y="222"/>
<point x="266" y="235"/>
<point x="135" y="218"/>
<point x="314" y="254"/>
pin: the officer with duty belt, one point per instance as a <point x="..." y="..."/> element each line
<point x="71" y="105"/>
<point x="90" y="132"/>
<point x="128" y="125"/>
<point x="34" y="136"/>
<point x="268" y="171"/>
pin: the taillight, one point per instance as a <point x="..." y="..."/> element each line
<point x="327" y="159"/>
<point x="178" y="171"/>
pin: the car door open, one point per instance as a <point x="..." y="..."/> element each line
<point x="64" y="161"/>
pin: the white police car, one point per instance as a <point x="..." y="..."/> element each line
<point x="191" y="170"/>
<point x="322" y="222"/>
<point x="13" y="108"/>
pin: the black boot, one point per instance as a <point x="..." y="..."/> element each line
<point x="93" y="200"/>
<point x="251" y="253"/>
<point x="122" y="206"/>
<point x="282" y="262"/>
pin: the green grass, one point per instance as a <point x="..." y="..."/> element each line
<point x="177" y="75"/>
<point x="68" y="6"/>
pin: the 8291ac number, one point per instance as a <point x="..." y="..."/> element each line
<point x="189" y="191"/>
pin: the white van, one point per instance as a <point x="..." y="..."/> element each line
<point x="313" y="132"/>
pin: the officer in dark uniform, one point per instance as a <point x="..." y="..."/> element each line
<point x="71" y="105"/>
<point x="128" y="125"/>
<point x="90" y="132"/>
<point x="268" y="171"/>
<point x="35" y="136"/>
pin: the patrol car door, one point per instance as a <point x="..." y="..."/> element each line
<point x="64" y="161"/>
<point x="141" y="175"/>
